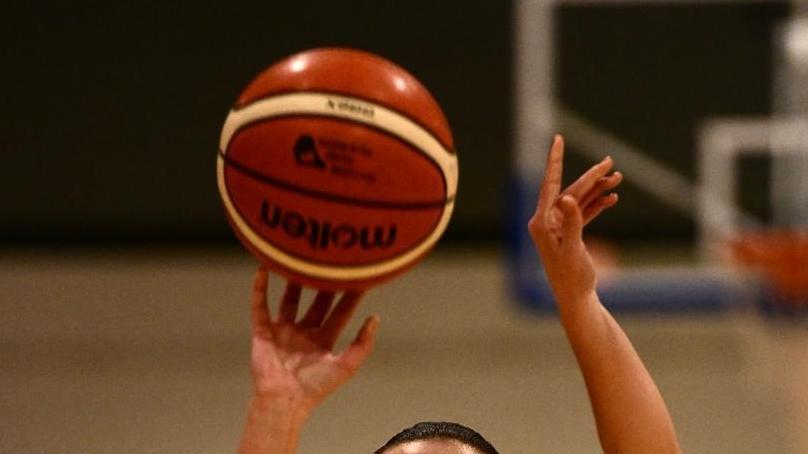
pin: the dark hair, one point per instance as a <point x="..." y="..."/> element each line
<point x="446" y="430"/>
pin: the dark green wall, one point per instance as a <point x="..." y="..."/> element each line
<point x="111" y="113"/>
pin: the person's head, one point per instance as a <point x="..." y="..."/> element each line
<point x="437" y="438"/>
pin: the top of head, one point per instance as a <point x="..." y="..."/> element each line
<point x="353" y="73"/>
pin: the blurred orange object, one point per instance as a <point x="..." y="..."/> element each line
<point x="781" y="256"/>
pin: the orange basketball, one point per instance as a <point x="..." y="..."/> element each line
<point x="337" y="169"/>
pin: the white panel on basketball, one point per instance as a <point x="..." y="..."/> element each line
<point x="328" y="105"/>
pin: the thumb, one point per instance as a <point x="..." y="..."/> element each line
<point x="355" y="354"/>
<point x="572" y="228"/>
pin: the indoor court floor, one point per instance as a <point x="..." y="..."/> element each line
<point x="146" y="351"/>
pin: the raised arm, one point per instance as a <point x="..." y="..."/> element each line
<point x="630" y="413"/>
<point x="292" y="363"/>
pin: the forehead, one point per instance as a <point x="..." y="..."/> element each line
<point x="433" y="446"/>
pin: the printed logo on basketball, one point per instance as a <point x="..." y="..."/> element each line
<point x="306" y="154"/>
<point x="322" y="235"/>
<point x="336" y="156"/>
<point x="351" y="107"/>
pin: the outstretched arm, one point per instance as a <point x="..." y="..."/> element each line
<point x="630" y="413"/>
<point x="293" y="367"/>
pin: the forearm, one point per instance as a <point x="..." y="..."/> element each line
<point x="630" y="414"/>
<point x="272" y="427"/>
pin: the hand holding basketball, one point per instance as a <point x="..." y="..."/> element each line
<point x="293" y="360"/>
<point x="557" y="225"/>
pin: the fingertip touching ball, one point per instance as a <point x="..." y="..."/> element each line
<point x="337" y="169"/>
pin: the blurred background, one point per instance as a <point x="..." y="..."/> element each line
<point x="123" y="290"/>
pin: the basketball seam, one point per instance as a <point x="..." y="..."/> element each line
<point x="401" y="205"/>
<point x="406" y="206"/>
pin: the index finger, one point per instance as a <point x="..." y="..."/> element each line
<point x="259" y="311"/>
<point x="551" y="184"/>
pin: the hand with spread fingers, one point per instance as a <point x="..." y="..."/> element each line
<point x="630" y="414"/>
<point x="557" y="225"/>
<point x="293" y="366"/>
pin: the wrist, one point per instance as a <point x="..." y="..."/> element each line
<point x="577" y="308"/>
<point x="273" y="426"/>
<point x="570" y="286"/>
<point x="281" y="408"/>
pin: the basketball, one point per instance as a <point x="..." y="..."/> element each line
<point x="337" y="169"/>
